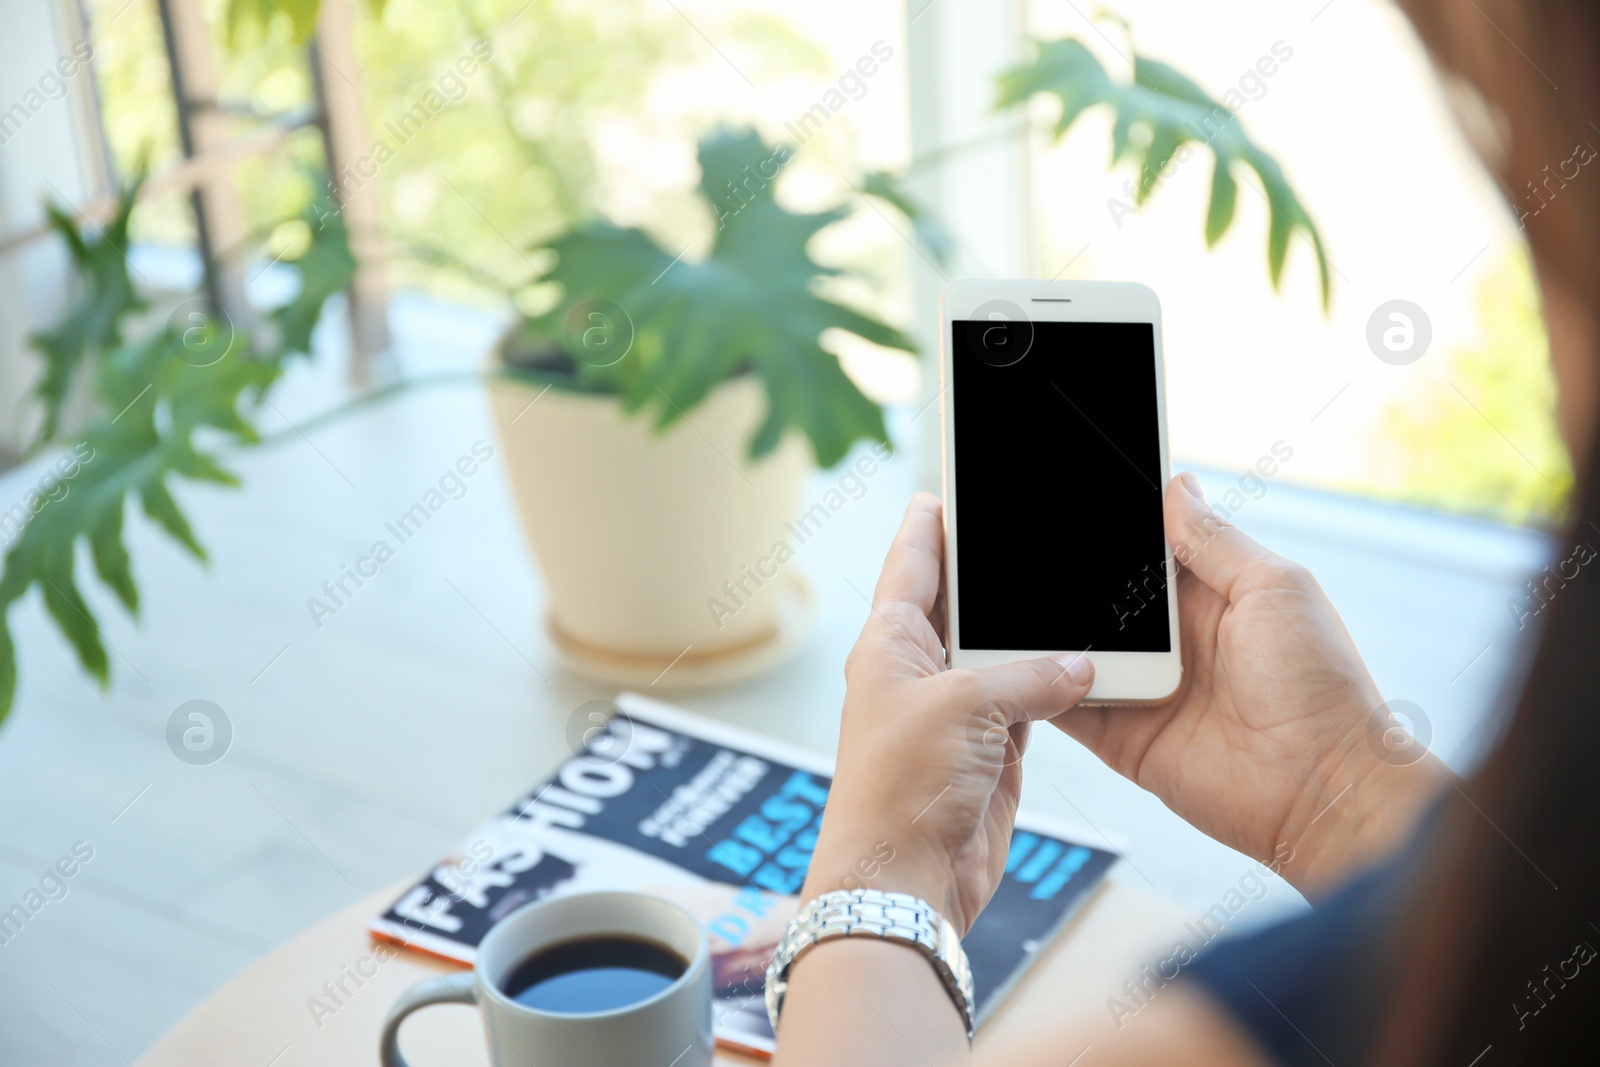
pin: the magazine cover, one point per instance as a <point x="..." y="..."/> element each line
<point x="723" y="822"/>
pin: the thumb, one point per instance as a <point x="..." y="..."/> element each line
<point x="1036" y="688"/>
<point x="1217" y="551"/>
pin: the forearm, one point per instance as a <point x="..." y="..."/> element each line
<point x="867" y="1001"/>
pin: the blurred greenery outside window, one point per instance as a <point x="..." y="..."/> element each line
<point x="1440" y="450"/>
<point x="595" y="105"/>
<point x="585" y="107"/>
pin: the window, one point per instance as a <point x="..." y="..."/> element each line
<point x="1406" y="213"/>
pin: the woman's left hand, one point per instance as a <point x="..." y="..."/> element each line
<point x="929" y="768"/>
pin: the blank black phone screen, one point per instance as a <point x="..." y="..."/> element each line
<point x="1058" y="519"/>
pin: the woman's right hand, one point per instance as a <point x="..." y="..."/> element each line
<point x="1275" y="743"/>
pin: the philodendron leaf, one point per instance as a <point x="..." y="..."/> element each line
<point x="1156" y="117"/>
<point x="65" y="605"/>
<point x="1224" y="198"/>
<point x="8" y="668"/>
<point x="325" y="268"/>
<point x="160" y="400"/>
<point x="111" y="561"/>
<point x="94" y="320"/>
<point x="752" y="304"/>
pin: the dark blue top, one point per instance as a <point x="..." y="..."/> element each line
<point x="1311" y="990"/>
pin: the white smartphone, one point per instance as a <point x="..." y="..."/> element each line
<point x="1055" y="469"/>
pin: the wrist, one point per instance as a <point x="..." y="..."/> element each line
<point x="892" y="952"/>
<point x="1358" y="807"/>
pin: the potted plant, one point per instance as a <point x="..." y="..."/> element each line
<point x="659" y="419"/>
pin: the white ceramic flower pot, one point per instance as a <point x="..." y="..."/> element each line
<point x="638" y="532"/>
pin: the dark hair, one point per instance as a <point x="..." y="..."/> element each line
<point x="1497" y="952"/>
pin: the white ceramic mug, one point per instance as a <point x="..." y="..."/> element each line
<point x="670" y="1029"/>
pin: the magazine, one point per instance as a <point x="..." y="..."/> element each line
<point x="721" y="821"/>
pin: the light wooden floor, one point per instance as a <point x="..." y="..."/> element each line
<point x="364" y="750"/>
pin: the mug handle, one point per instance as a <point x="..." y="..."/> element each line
<point x="451" y="989"/>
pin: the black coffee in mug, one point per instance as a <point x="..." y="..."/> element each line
<point x="590" y="974"/>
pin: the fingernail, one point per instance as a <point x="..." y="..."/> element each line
<point x="1192" y="484"/>
<point x="1078" y="667"/>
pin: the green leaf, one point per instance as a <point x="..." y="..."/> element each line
<point x="1164" y="145"/>
<point x="751" y="305"/>
<point x="158" y="397"/>
<point x="159" y="505"/>
<point x="106" y="297"/>
<point x="1224" y="197"/>
<point x="1066" y="69"/>
<point x="111" y="557"/>
<point x="1156" y="117"/>
<point x="325" y="268"/>
<point x="8" y="669"/>
<point x="65" y="605"/>
<point x="1277" y="247"/>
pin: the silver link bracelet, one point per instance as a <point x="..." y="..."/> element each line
<point x="897" y="917"/>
